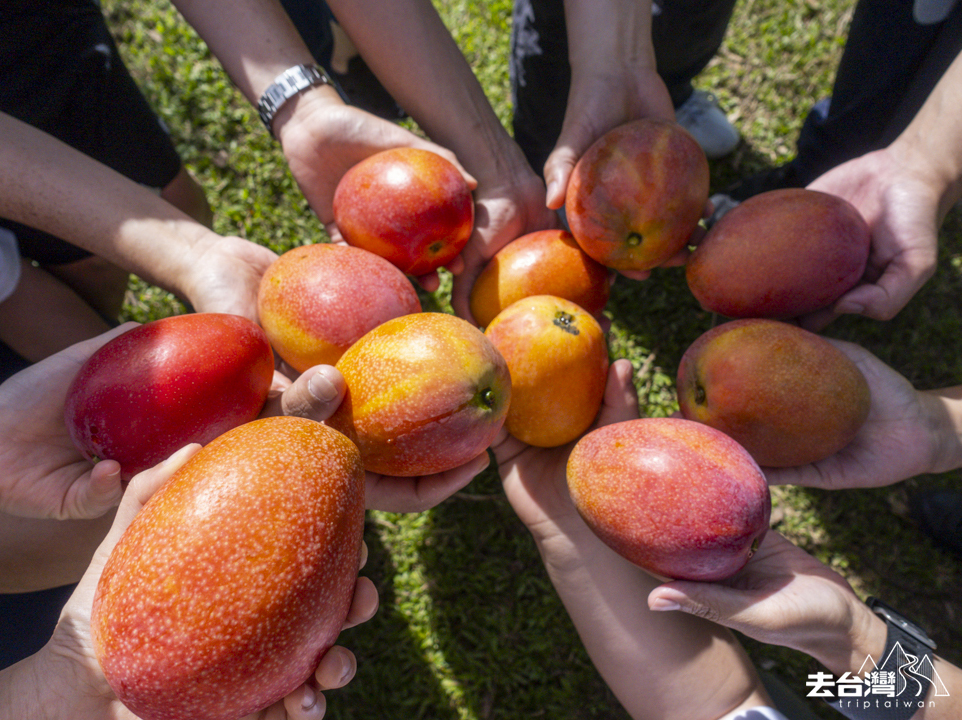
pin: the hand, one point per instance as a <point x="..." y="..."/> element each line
<point x="897" y="441"/>
<point x="903" y="214"/>
<point x="507" y="206"/>
<point x="783" y="596"/>
<point x="323" y="139"/>
<point x="535" y="479"/>
<point x="599" y="101"/>
<point x="225" y="276"/>
<point x="45" y="475"/>
<point x="416" y="494"/>
<point x="70" y="658"/>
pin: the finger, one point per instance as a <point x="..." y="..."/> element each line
<point x="305" y="703"/>
<point x="102" y="491"/>
<point x="145" y="484"/>
<point x="557" y="171"/>
<point x="430" y="282"/>
<point x="456" y="266"/>
<point x="718" y="603"/>
<point x="336" y="669"/>
<point x="636" y="274"/>
<point x="315" y="395"/>
<point x="621" y="399"/>
<point x="364" y="605"/>
<point x="404" y="495"/>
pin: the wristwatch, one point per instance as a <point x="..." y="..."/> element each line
<point x="285" y="86"/>
<point x="907" y="660"/>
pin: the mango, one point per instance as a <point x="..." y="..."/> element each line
<point x="675" y="497"/>
<point x="425" y="393"/>
<point x="787" y="395"/>
<point x="236" y="576"/>
<point x="558" y="360"/>
<point x="780" y="254"/>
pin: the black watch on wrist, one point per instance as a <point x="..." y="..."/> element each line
<point x="904" y="672"/>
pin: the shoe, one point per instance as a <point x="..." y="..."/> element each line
<point x="721" y="203"/>
<point x="776" y="178"/>
<point x="939" y="515"/>
<point x="703" y="118"/>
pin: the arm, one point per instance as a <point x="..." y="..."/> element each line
<point x="904" y="192"/>
<point x="907" y="433"/>
<point x="49" y="185"/>
<point x="436" y="86"/>
<point x="320" y="135"/>
<point x="64" y="678"/>
<point x="656" y="669"/>
<point x="613" y="81"/>
<point x="786" y="597"/>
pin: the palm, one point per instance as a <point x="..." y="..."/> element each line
<point x="783" y="594"/>
<point x="894" y="443"/>
<point x="535" y="479"/>
<point x="503" y="212"/>
<point x="228" y="276"/>
<point x="327" y="140"/>
<point x="45" y="474"/>
<point x="902" y="214"/>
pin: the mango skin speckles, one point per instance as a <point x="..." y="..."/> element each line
<point x="675" y="497"/>
<point x="425" y="393"/>
<point x="237" y="575"/>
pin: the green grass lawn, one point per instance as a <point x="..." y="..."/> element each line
<point x="469" y="625"/>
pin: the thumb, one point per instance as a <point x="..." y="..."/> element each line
<point x="558" y="168"/>
<point x="717" y="603"/>
<point x="314" y="395"/>
<point x="621" y="400"/>
<point x="102" y="491"/>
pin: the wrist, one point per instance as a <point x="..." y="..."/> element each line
<point x="943" y="409"/>
<point x="848" y="649"/>
<point x="317" y="98"/>
<point x="939" y="171"/>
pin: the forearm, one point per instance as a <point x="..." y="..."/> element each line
<point x="408" y="47"/>
<point x="659" y="665"/>
<point x="932" y="143"/>
<point x="867" y="637"/>
<point x="608" y="36"/>
<point x="46" y="184"/>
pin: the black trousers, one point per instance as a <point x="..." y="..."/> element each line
<point x="888" y="68"/>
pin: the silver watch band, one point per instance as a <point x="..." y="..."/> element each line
<point x="285" y="86"/>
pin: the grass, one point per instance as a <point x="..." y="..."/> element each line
<point x="469" y="626"/>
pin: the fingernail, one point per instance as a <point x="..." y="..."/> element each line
<point x="552" y="189"/>
<point x="662" y="604"/>
<point x="321" y="387"/>
<point x="849" y="309"/>
<point x="308" y="699"/>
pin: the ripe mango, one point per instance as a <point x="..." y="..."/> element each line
<point x="425" y="393"/>
<point x="787" y="395"/>
<point x="677" y="498"/>
<point x="780" y="254"/>
<point x="237" y="575"/>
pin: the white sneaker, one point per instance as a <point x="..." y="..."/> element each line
<point x="703" y="118"/>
